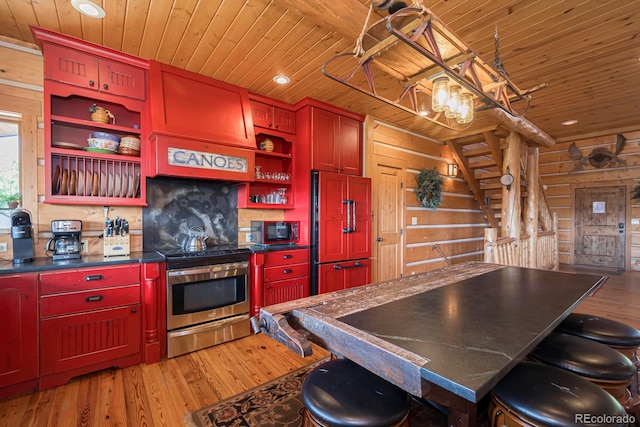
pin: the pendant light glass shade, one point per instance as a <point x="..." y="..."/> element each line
<point x="466" y="109"/>
<point x="440" y="94"/>
<point x="453" y="106"/>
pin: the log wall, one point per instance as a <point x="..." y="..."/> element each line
<point x="454" y="232"/>
<point x="558" y="175"/>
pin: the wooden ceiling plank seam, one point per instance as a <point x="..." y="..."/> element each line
<point x="265" y="37"/>
<point x="112" y="34"/>
<point x="216" y="32"/>
<point x="179" y="19"/>
<point x="203" y="15"/>
<point x="239" y="24"/>
<point x="9" y="23"/>
<point x="134" y="25"/>
<point x="22" y="13"/>
<point x="300" y="33"/>
<point x="46" y="15"/>
<point x="255" y="25"/>
<point x="155" y="27"/>
<point x="70" y="20"/>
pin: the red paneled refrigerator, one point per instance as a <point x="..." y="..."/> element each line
<point x="341" y="231"/>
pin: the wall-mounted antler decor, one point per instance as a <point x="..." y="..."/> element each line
<point x="599" y="157"/>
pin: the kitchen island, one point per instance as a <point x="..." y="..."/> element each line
<point x="448" y="335"/>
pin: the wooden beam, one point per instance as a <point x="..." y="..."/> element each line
<point x="493" y="142"/>
<point x="523" y="126"/>
<point x="511" y="204"/>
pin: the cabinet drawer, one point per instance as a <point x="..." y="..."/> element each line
<point x="76" y="302"/>
<point x="89" y="278"/>
<point x="285" y="272"/>
<point x="286" y="290"/>
<point x="295" y="256"/>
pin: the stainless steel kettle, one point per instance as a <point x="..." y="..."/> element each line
<point x="196" y="241"/>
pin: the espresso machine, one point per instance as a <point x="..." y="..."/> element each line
<point x="66" y="241"/>
<point x="22" y="235"/>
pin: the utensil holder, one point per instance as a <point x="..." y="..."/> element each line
<point x="117" y="245"/>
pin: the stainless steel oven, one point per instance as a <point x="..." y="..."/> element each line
<point x="207" y="301"/>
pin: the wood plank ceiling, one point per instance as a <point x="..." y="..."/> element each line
<point x="585" y="51"/>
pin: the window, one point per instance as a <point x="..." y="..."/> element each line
<point x="9" y="165"/>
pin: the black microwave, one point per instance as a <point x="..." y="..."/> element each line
<point x="271" y="232"/>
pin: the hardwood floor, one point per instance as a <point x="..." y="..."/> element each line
<point x="161" y="394"/>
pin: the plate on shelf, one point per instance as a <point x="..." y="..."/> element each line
<point x="98" y="150"/>
<point x="125" y="181"/>
<point x="63" y="182"/>
<point x="96" y="182"/>
<point x="67" y="145"/>
<point x="55" y="180"/>
<point x="110" y="185"/>
<point x="72" y="183"/>
<point x="80" y="183"/>
<point x="89" y="184"/>
<point x="103" y="184"/>
<point x="132" y="188"/>
<point x="136" y="185"/>
<point x="116" y="185"/>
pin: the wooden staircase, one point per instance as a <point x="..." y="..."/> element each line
<point x="521" y="229"/>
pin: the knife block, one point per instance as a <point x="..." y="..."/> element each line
<point x="117" y="245"/>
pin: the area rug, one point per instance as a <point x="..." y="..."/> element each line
<point x="278" y="403"/>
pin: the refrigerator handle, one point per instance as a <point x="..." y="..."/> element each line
<point x="353" y="205"/>
<point x="348" y="203"/>
<point x="340" y="267"/>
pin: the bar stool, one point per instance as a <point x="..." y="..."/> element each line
<point x="341" y="393"/>
<point x="534" y="394"/>
<point x="616" y="335"/>
<point x="595" y="362"/>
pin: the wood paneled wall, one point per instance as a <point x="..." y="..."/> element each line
<point x="558" y="175"/>
<point x="455" y="229"/>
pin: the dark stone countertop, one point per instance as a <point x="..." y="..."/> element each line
<point x="45" y="264"/>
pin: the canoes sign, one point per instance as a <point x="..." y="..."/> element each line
<point x="206" y="160"/>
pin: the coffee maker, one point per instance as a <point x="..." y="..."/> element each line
<point x="22" y="235"/>
<point x="66" y="241"/>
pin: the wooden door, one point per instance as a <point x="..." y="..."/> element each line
<point x="389" y="223"/>
<point x="600" y="227"/>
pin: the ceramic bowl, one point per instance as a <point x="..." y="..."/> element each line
<point x="104" y="144"/>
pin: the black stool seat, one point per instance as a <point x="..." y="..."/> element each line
<point x="602" y="330"/>
<point x="342" y="393"/>
<point x="584" y="357"/>
<point x="549" y="396"/>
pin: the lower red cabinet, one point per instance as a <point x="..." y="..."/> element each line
<point x="343" y="275"/>
<point x="88" y="328"/>
<point x="279" y="276"/>
<point x="19" y="338"/>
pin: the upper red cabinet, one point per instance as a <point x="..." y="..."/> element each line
<point x="86" y="70"/>
<point x="272" y="117"/>
<point x="186" y="104"/>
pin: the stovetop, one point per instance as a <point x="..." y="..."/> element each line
<point x="220" y="254"/>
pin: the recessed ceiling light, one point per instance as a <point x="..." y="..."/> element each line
<point x="281" y="79"/>
<point x="88" y="8"/>
<point x="569" y="122"/>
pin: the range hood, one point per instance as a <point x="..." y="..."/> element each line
<point x="200" y="127"/>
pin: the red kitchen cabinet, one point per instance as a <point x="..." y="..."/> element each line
<point x="19" y="339"/>
<point x="86" y="70"/>
<point x="343" y="275"/>
<point x="89" y="320"/>
<point x="79" y="75"/>
<point x="272" y="117"/>
<point x="337" y="143"/>
<point x="279" y="276"/>
<point x="190" y="105"/>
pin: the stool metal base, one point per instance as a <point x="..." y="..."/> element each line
<point x="310" y="421"/>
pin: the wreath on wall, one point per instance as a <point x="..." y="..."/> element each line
<point x="429" y="189"/>
<point x="635" y="193"/>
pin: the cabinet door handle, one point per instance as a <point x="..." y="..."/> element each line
<point x="92" y="277"/>
<point x="133" y="310"/>
<point x="106" y="86"/>
<point x="94" y="298"/>
<point x="287" y="271"/>
<point x="287" y="256"/>
<point x="91" y="82"/>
